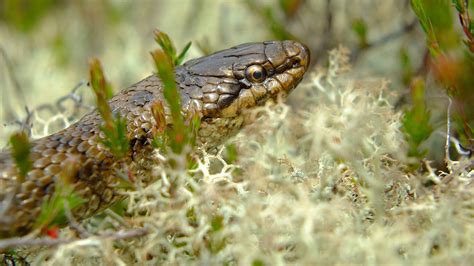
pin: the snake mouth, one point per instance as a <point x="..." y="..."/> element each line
<point x="290" y="73"/>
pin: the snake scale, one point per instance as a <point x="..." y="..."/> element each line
<point x="219" y="87"/>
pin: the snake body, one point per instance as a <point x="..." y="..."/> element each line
<point x="218" y="87"/>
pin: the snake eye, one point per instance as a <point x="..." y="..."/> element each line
<point x="255" y="73"/>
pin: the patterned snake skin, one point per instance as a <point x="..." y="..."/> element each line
<point x="219" y="87"/>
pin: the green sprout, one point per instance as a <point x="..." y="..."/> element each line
<point x="462" y="7"/>
<point x="184" y="129"/>
<point x="437" y="22"/>
<point x="168" y="47"/>
<point x="360" y="28"/>
<point x="416" y="124"/>
<point x="54" y="209"/>
<point x="21" y="153"/>
<point x="452" y="67"/>
<point x="406" y="66"/>
<point x="114" y="128"/>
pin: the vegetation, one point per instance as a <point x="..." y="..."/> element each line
<point x="451" y="59"/>
<point x="21" y="153"/>
<point x="114" y="128"/>
<point x="352" y="169"/>
<point x="184" y="129"/>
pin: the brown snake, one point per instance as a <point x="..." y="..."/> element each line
<point x="218" y="87"/>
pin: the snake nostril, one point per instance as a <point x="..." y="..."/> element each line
<point x="296" y="62"/>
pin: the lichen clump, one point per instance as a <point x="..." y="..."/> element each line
<point x="323" y="182"/>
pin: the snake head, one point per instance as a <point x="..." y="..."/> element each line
<point x="224" y="84"/>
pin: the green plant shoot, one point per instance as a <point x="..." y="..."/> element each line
<point x="360" y="28"/>
<point x="416" y="123"/>
<point x="114" y="128"/>
<point x="168" y="47"/>
<point x="180" y="134"/>
<point x="53" y="210"/>
<point x="21" y="153"/>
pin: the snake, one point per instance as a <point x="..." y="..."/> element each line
<point x="220" y="88"/>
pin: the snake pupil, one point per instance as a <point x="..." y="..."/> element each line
<point x="255" y="73"/>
